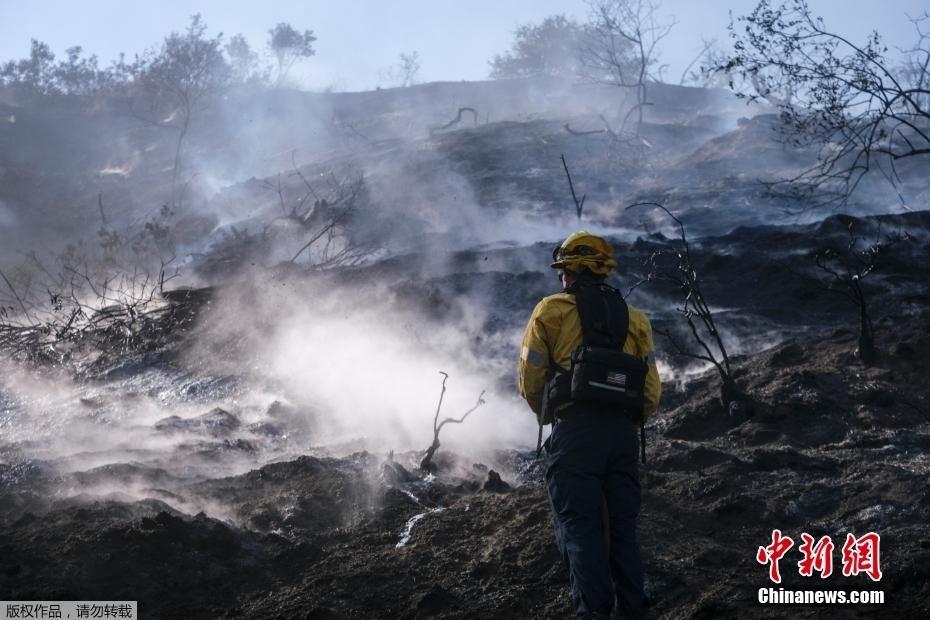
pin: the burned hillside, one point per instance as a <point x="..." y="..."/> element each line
<point x="833" y="448"/>
<point x="831" y="445"/>
<point x="227" y="341"/>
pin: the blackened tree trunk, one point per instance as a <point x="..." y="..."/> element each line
<point x="866" y="351"/>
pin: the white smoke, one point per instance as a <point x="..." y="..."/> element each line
<point x="362" y="369"/>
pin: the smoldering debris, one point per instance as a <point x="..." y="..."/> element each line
<point x="293" y="526"/>
<point x="253" y="431"/>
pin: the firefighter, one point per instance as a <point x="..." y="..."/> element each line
<point x="592" y="473"/>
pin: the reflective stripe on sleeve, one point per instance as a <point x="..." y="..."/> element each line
<point x="532" y="357"/>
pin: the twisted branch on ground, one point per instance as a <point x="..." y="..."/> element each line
<point x="456" y="120"/>
<point x="426" y="463"/>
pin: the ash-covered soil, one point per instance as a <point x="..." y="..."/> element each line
<point x="832" y="447"/>
<point x="230" y="507"/>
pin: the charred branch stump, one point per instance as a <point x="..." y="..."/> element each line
<point x="426" y="463"/>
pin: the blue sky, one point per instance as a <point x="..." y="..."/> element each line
<point x="358" y="40"/>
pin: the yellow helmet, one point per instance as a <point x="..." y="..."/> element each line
<point x="582" y="249"/>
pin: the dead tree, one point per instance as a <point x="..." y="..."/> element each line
<point x="105" y="295"/>
<point x="675" y="267"/>
<point x="622" y="47"/>
<point x="111" y="312"/>
<point x="847" y="102"/>
<point x="426" y="463"/>
<point x="844" y="269"/>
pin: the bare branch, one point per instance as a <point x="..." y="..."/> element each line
<point x="17" y="297"/>
<point x="683" y="275"/>
<point x="839" y="98"/>
<point x="426" y="463"/>
<point x="579" y="204"/>
<point x="456" y="120"/>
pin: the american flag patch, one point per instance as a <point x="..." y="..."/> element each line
<point x="616" y="378"/>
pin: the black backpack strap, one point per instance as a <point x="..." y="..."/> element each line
<point x="605" y="317"/>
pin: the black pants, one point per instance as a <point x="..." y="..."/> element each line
<point x="593" y="462"/>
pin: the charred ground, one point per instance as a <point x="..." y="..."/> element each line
<point x="830" y="446"/>
<point x="151" y="454"/>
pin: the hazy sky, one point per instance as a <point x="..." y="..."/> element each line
<point x="358" y="40"/>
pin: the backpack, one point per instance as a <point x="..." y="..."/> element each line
<point x="601" y="374"/>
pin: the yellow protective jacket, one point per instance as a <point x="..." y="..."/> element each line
<point x="554" y="332"/>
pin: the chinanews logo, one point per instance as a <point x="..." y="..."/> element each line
<point x="858" y="555"/>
